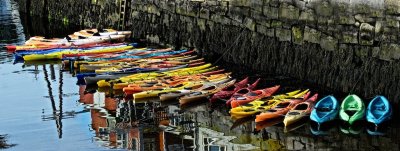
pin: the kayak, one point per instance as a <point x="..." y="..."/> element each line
<point x="125" y="81"/>
<point x="121" y="85"/>
<point x="325" y="110"/>
<point x="379" y="110"/>
<point x="300" y="111"/>
<point x="155" y="93"/>
<point x="177" y="94"/>
<point x="241" y="92"/>
<point x="58" y="55"/>
<point x="253" y="95"/>
<point x="280" y="109"/>
<point x="172" y="79"/>
<point x="159" y="67"/>
<point x="227" y="92"/>
<point x="352" y="109"/>
<point x="119" y="65"/>
<point x="76" y="64"/>
<point x="260" y="105"/>
<point x="131" y="89"/>
<point x="203" y="93"/>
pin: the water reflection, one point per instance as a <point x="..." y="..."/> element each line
<point x="11" y="30"/>
<point x="124" y="124"/>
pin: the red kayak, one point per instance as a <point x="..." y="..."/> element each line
<point x="227" y="92"/>
<point x="242" y="92"/>
<point x="253" y="95"/>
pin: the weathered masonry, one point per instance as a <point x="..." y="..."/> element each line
<point x="348" y="45"/>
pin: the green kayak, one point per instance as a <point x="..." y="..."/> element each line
<point x="352" y="109"/>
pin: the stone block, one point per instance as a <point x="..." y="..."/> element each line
<point x="366" y="36"/>
<point x="270" y="32"/>
<point x="311" y="35"/>
<point x="342" y="7"/>
<point x="392" y="21"/>
<point x="362" y="8"/>
<point x="237" y="18"/>
<point x="392" y="7"/>
<point x="273" y="3"/>
<point x="349" y="37"/>
<point x="217" y="7"/>
<point x="192" y="9"/>
<point x="375" y="52"/>
<point x="250" y="24"/>
<point x="233" y="10"/>
<point x="201" y="23"/>
<point x="308" y="16"/>
<point x="257" y="5"/>
<point x="324" y="9"/>
<point x="328" y="42"/>
<point x="243" y="3"/>
<point x="271" y="12"/>
<point x="297" y="35"/>
<point x="283" y="34"/>
<point x="288" y="12"/>
<point x="220" y="19"/>
<point x="204" y="13"/>
<point x="363" y="18"/>
<point x="362" y="51"/>
<point x="276" y="24"/>
<point x="389" y="52"/>
<point x="346" y="20"/>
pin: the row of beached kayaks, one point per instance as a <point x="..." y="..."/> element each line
<point x="181" y="75"/>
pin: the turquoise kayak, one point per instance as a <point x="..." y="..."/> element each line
<point x="325" y="110"/>
<point x="379" y="110"/>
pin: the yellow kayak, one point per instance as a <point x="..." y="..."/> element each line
<point x="122" y="85"/>
<point x="263" y="104"/>
<point x="58" y="55"/>
<point x="182" y="58"/>
<point x="124" y="81"/>
<point x="155" y="93"/>
<point x="52" y="56"/>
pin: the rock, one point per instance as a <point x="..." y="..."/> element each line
<point x="250" y="24"/>
<point x="271" y="12"/>
<point x="324" y="9"/>
<point x="311" y="35"/>
<point x="328" y="42"/>
<point x="363" y="18"/>
<point x="346" y="20"/>
<point x="297" y="35"/>
<point x="283" y="34"/>
<point x="288" y="12"/>
<point x="308" y="16"/>
<point x="392" y="7"/>
<point x="349" y="38"/>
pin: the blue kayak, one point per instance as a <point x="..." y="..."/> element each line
<point x="325" y="110"/>
<point x="143" y="56"/>
<point x="379" y="110"/>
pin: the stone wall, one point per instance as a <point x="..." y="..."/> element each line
<point x="347" y="45"/>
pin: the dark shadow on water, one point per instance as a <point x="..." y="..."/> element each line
<point x="3" y="142"/>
